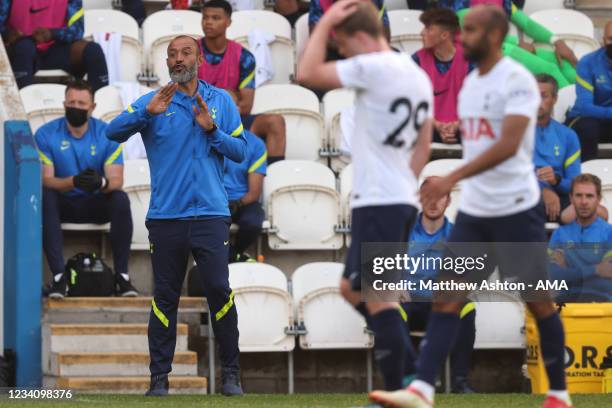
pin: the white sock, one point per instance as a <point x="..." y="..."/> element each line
<point x="125" y="276"/>
<point x="58" y="277"/>
<point x="424" y="388"/>
<point x="561" y="395"/>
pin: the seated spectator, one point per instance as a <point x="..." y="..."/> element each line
<point x="134" y="8"/>
<point x="49" y="37"/>
<point x="557" y="151"/>
<point x="443" y="61"/>
<point x="318" y="7"/>
<point x="290" y="9"/>
<point x="82" y="178"/>
<point x="230" y="66"/>
<point x="580" y="252"/>
<point x="432" y="228"/>
<point x="559" y="63"/>
<point x="243" y="183"/>
<point x="591" y="116"/>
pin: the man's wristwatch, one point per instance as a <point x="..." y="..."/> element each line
<point x="212" y="129"/>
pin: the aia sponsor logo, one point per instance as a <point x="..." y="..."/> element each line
<point x="475" y="128"/>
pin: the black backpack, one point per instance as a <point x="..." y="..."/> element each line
<point x="88" y="275"/>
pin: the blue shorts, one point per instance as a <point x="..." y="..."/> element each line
<point x="384" y="223"/>
<point x="247" y="120"/>
<point x="522" y="258"/>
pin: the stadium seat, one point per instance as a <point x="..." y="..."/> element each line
<point x="282" y="50"/>
<point x="346" y="186"/>
<point x="302" y="205"/>
<point x="265" y="310"/>
<point x="42" y="103"/>
<point x="109" y="103"/>
<point x="109" y="21"/>
<point x="574" y="27"/>
<point x="531" y="6"/>
<point x="137" y="185"/>
<point x="405" y="30"/>
<point x="330" y="321"/>
<point x="565" y="101"/>
<point x="158" y="30"/>
<point x="300" y="108"/>
<point x="441" y="168"/>
<point x="302" y="33"/>
<point x="396" y="5"/>
<point x="602" y="168"/>
<point x="334" y="102"/>
<point x="98" y="4"/>
<point x="493" y="332"/>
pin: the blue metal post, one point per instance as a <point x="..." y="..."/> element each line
<point x="22" y="252"/>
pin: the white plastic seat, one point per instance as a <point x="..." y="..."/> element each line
<point x="330" y="321"/>
<point x="565" y="101"/>
<point x="441" y="168"/>
<point x="109" y="104"/>
<point x="159" y="29"/>
<point x="265" y="307"/>
<point x="137" y="185"/>
<point x="602" y="168"/>
<point x="97" y="4"/>
<point x="531" y="6"/>
<point x="300" y="108"/>
<point x="43" y="103"/>
<point x="302" y="205"/>
<point x="391" y="5"/>
<point x="282" y="50"/>
<point x="493" y="332"/>
<point x="346" y="186"/>
<point x="334" y="102"/>
<point x="405" y="30"/>
<point x="302" y="34"/>
<point x="572" y="26"/>
<point x="109" y="21"/>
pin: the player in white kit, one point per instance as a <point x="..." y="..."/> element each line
<point x="389" y="147"/>
<point x="500" y="200"/>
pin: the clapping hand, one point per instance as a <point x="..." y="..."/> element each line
<point x="161" y="100"/>
<point x="89" y="180"/>
<point x="202" y="115"/>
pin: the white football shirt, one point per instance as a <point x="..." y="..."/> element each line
<point x="484" y="101"/>
<point x="394" y="97"/>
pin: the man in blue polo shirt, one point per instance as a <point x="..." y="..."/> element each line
<point x="557" y="151"/>
<point x="581" y="252"/>
<point x="591" y="116"/>
<point x="189" y="128"/>
<point x="243" y="183"/>
<point x="427" y="239"/>
<point x="82" y="180"/>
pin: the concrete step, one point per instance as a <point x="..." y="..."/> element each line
<point x="117" y="304"/>
<point x="71" y="364"/>
<point x="125" y="385"/>
<point x="122" y="337"/>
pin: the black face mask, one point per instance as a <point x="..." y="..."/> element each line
<point x="76" y="117"/>
<point x="609" y="51"/>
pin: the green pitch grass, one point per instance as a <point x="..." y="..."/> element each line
<point x="300" y="401"/>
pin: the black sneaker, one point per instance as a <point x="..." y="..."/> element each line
<point x="244" y="257"/>
<point x="230" y="384"/>
<point x="159" y="386"/>
<point x="58" y="286"/>
<point x="125" y="287"/>
<point x="461" y="386"/>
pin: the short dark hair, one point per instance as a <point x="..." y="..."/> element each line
<point x="497" y="20"/>
<point x="587" y="178"/>
<point x="80" y="85"/>
<point x="548" y="79"/>
<point x="195" y="41"/>
<point x="442" y="17"/>
<point x="364" y="18"/>
<point x="223" y="4"/>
